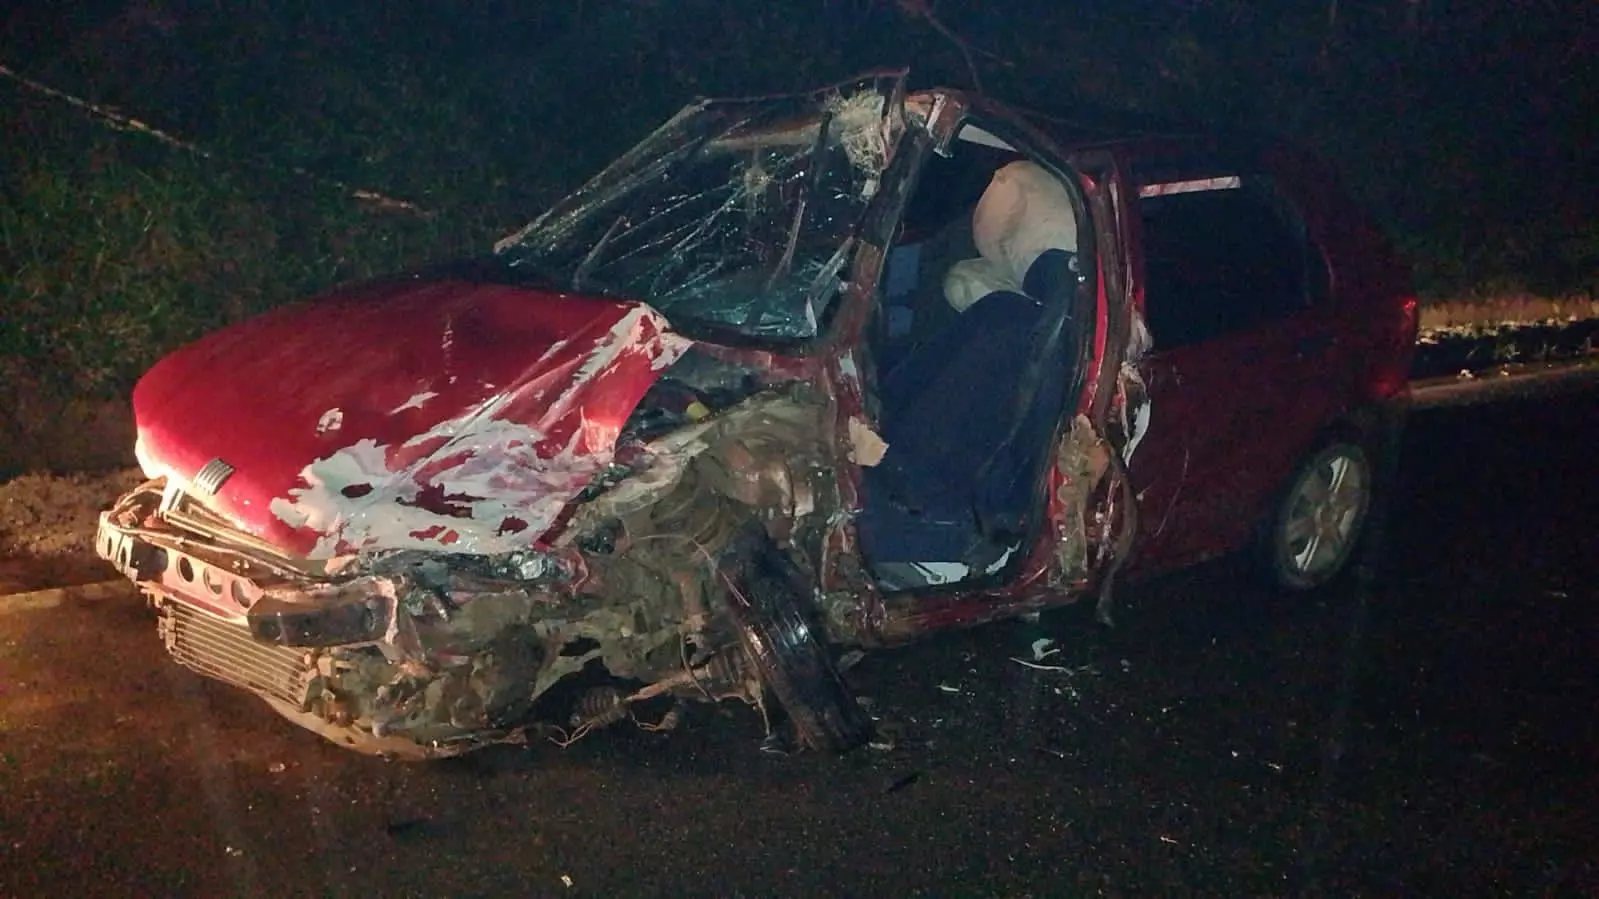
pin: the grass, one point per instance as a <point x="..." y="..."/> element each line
<point x="116" y="249"/>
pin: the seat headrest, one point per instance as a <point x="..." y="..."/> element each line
<point x="1024" y="212"/>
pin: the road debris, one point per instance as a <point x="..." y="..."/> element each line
<point x="903" y="782"/>
<point x="1080" y="669"/>
<point x="1043" y="648"/>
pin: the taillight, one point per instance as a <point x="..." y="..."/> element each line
<point x="1390" y="373"/>
<point x="1409" y="320"/>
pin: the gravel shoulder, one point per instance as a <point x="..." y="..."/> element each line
<point x="47" y="528"/>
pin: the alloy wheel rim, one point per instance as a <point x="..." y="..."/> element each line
<point x="1323" y="515"/>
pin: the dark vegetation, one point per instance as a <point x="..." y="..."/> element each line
<point x="1467" y="125"/>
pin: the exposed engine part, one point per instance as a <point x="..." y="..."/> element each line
<point x="747" y="455"/>
<point x="599" y="707"/>
<point x="668" y="722"/>
<point x="726" y="675"/>
<point x="697" y="385"/>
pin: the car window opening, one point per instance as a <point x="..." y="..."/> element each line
<point x="1221" y="256"/>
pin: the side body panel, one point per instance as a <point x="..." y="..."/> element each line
<point x="1234" y="413"/>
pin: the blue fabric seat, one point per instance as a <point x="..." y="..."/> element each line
<point x="967" y="415"/>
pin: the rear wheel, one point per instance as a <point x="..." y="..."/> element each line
<point x="1320" y="519"/>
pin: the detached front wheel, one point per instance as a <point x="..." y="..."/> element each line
<point x="771" y="604"/>
<point x="1320" y="519"/>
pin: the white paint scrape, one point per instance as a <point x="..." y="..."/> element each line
<point x="320" y="505"/>
<point x="331" y="420"/>
<point x="486" y="469"/>
<point x="415" y="402"/>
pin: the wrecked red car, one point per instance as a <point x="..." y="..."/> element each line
<point x="794" y="374"/>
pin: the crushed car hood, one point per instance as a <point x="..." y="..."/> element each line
<point x="437" y="414"/>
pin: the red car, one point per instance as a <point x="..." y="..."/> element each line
<point x="795" y="373"/>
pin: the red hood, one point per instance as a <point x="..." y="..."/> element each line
<point x="431" y="414"/>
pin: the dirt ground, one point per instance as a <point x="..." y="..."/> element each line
<point x="47" y="528"/>
<point x="43" y="427"/>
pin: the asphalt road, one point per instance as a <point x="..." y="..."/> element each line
<point x="1220" y="741"/>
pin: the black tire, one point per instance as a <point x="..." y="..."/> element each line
<point x="1319" y="519"/>
<point x="770" y="603"/>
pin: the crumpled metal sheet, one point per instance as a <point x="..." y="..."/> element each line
<point x="1082" y="460"/>
<point x="452" y="674"/>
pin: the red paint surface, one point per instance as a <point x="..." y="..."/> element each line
<point x="1235" y="415"/>
<point x="254" y="394"/>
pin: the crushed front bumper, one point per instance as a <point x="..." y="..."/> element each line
<point x="426" y="654"/>
<point x="333" y="654"/>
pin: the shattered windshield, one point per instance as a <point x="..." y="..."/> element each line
<point x="735" y="216"/>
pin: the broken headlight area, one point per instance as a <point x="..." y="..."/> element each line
<point x="358" y="612"/>
<point x="401" y="586"/>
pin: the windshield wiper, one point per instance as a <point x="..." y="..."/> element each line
<point x="811" y="184"/>
<point x="593" y="255"/>
<point x="828" y="276"/>
<point x="786" y="261"/>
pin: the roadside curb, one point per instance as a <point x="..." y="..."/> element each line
<point x="118" y="588"/>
